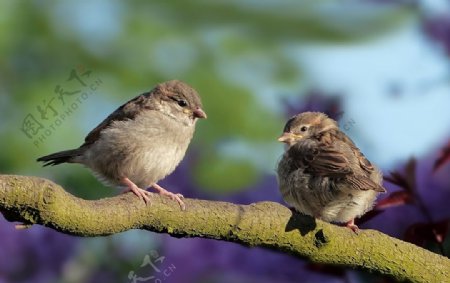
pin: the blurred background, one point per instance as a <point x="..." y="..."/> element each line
<point x="380" y="67"/>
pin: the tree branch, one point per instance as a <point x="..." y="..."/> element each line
<point x="266" y="224"/>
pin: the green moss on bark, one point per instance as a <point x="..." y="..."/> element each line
<point x="266" y="224"/>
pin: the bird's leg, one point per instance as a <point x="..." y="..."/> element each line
<point x="131" y="187"/>
<point x="351" y="224"/>
<point x="172" y="196"/>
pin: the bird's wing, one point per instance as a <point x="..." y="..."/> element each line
<point x="321" y="159"/>
<point x="129" y="110"/>
<point x="360" y="179"/>
<point x="364" y="183"/>
<point x="333" y="161"/>
<point x="363" y="161"/>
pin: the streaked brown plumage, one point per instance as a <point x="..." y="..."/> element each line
<point x="323" y="174"/>
<point x="142" y="141"/>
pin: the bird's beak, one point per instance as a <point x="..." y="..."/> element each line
<point x="199" y="113"/>
<point x="287" y="137"/>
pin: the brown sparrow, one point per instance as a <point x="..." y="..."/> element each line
<point x="323" y="174"/>
<point x="141" y="142"/>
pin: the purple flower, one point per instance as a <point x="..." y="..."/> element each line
<point x="37" y="254"/>
<point x="438" y="28"/>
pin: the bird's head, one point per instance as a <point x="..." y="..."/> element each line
<point x="306" y="125"/>
<point x="180" y="101"/>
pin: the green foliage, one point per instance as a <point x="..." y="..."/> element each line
<point x="225" y="175"/>
<point x="228" y="50"/>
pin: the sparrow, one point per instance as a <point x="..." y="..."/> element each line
<point x="141" y="142"/>
<point x="323" y="174"/>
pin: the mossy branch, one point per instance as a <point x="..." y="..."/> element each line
<point x="266" y="224"/>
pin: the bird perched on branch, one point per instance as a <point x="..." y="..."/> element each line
<point x="323" y="174"/>
<point x="141" y="142"/>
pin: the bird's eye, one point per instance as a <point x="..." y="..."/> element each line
<point x="303" y="129"/>
<point x="182" y="103"/>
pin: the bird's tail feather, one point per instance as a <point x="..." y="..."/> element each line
<point x="65" y="156"/>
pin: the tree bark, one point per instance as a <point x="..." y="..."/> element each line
<point x="33" y="200"/>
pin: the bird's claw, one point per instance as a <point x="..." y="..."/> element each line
<point x="144" y="195"/>
<point x="172" y="196"/>
<point x="351" y="225"/>
<point x="140" y="193"/>
<point x="177" y="197"/>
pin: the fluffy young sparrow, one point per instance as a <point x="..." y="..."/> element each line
<point x="323" y="174"/>
<point x="141" y="142"/>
